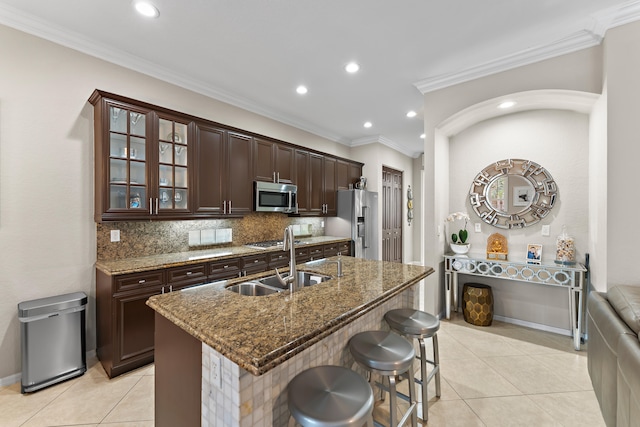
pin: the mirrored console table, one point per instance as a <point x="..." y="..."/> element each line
<point x="570" y="277"/>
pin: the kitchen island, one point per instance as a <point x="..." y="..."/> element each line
<point x="225" y="359"/>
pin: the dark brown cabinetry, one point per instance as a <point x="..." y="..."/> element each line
<point x="225" y="269"/>
<point x="155" y="163"/>
<point x="125" y="324"/>
<point x="317" y="180"/>
<point x="273" y="162"/>
<point x="142" y="161"/>
<point x="222" y="159"/>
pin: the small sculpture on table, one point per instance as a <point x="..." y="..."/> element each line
<point x="497" y="247"/>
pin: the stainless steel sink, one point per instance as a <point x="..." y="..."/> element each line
<point x="271" y="285"/>
<point x="253" y="289"/>
<point x="305" y="278"/>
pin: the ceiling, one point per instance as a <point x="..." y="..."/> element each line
<point x="254" y="53"/>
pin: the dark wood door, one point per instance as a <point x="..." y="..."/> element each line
<point x="391" y="215"/>
<point x="330" y="187"/>
<point x="316" y="184"/>
<point x="283" y="163"/>
<point x="209" y="161"/>
<point x="302" y="180"/>
<point x="264" y="159"/>
<point x="342" y="175"/>
<point x="134" y="328"/>
<point x="239" y="189"/>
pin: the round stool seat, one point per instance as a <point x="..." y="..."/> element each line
<point x="408" y="321"/>
<point x="330" y="396"/>
<point x="383" y="351"/>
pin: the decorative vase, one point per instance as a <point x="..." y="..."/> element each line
<point x="460" y="248"/>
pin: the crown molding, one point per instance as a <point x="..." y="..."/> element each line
<point x="30" y="24"/>
<point x="380" y="139"/>
<point x="581" y="39"/>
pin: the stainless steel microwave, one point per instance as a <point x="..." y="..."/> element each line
<point x="275" y="197"/>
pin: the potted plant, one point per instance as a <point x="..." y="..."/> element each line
<point x="458" y="242"/>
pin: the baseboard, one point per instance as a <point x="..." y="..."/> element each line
<point x="533" y="325"/>
<point x="15" y="378"/>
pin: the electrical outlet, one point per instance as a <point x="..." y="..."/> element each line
<point x="545" y="230"/>
<point x="322" y="224"/>
<point x="216" y="372"/>
<point x="478" y="227"/>
<point x="115" y="235"/>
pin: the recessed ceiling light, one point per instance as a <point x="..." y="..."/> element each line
<point x="302" y="89"/>
<point x="368" y="124"/>
<point x="507" y="104"/>
<point x="423" y="136"/>
<point x="145" y="8"/>
<point x="411" y="114"/>
<point x="352" y="67"/>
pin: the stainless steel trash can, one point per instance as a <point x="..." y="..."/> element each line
<point x="53" y="343"/>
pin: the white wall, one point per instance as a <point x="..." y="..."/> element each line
<point x="579" y="71"/>
<point x="598" y="194"/>
<point x="557" y="140"/>
<point x="47" y="232"/>
<point x="622" y="67"/>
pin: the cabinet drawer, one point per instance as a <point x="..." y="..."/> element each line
<point x="134" y="281"/>
<point x="330" y="250"/>
<point x="302" y="255"/>
<point x="225" y="269"/>
<point x="255" y="264"/>
<point x="188" y="273"/>
<point x="344" y="248"/>
<point x="278" y="259"/>
<point x="316" y="252"/>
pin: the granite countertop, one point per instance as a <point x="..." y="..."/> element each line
<point x="152" y="262"/>
<point x="259" y="333"/>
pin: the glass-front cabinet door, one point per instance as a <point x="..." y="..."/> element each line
<point x="128" y="169"/>
<point x="173" y="167"/>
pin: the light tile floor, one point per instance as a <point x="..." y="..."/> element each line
<point x="502" y="375"/>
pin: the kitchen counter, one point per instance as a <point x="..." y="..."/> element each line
<point x="258" y="333"/>
<point x="224" y="359"/>
<point x="152" y="262"/>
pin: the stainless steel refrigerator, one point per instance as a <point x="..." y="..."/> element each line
<point x="357" y="218"/>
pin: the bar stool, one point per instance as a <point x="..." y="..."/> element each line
<point x="330" y="396"/>
<point x="419" y="325"/>
<point x="388" y="354"/>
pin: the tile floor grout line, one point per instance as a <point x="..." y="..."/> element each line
<point x="122" y="398"/>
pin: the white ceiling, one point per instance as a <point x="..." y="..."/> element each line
<point x="253" y="53"/>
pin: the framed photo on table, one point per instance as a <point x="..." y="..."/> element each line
<point x="534" y="253"/>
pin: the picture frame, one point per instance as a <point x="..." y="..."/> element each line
<point x="534" y="253"/>
<point x="522" y="195"/>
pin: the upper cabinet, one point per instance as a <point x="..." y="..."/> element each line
<point x="173" y="166"/>
<point x="142" y="161"/>
<point x="155" y="163"/>
<point x="273" y="162"/>
<point x="222" y="186"/>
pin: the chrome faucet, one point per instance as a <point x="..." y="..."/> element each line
<point x="339" y="263"/>
<point x="292" y="278"/>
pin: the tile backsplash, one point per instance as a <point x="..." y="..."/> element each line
<point x="140" y="238"/>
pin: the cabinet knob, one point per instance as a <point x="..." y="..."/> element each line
<point x="255" y="261"/>
<point x="141" y="281"/>
<point x="226" y="266"/>
<point x="189" y="273"/>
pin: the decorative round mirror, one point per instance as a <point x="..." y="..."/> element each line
<point x="513" y="193"/>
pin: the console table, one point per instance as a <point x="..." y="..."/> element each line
<point x="570" y="277"/>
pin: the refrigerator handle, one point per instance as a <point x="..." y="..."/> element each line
<point x="366" y="225"/>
